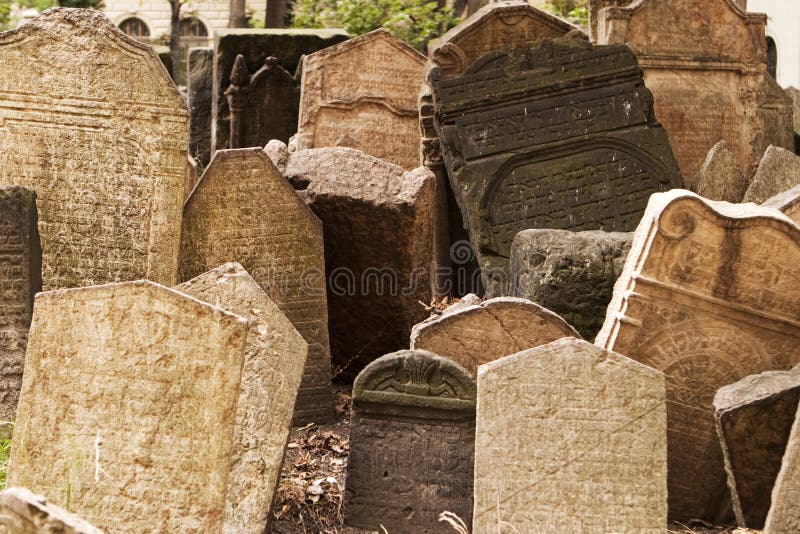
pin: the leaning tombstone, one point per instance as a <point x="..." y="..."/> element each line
<point x="243" y="210"/>
<point x="198" y="90"/>
<point x="92" y="122"/>
<point x="788" y="202"/>
<point x="570" y="437"/>
<point x="778" y="171"/>
<point x="754" y="417"/>
<point x="721" y="176"/>
<point x="274" y="359"/>
<point x="784" y="515"/>
<point x="557" y="135"/>
<point x="411" y="444"/>
<point x="129" y="391"/>
<point x="709" y="294"/>
<point x="20" y="280"/>
<point x="475" y="334"/>
<point x="362" y="94"/>
<point x="22" y="512"/>
<point x="570" y="273"/>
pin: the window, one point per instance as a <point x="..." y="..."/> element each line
<point x="772" y="57"/>
<point x="134" y="27"/>
<point x="192" y="27"/>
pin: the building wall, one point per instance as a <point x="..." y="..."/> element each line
<point x="783" y="26"/>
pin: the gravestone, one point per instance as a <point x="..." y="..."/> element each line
<point x="288" y="45"/>
<point x="721" y="177"/>
<point x="129" y="398"/>
<point x="243" y="210"/>
<point x="570" y="273"/>
<point x="706" y="64"/>
<point x="788" y="202"/>
<point x="784" y="516"/>
<point x="411" y="444"/>
<point x="364" y="203"/>
<point x="754" y="417"/>
<point x="559" y="135"/>
<point x="198" y="89"/>
<point x="362" y="94"/>
<point x="274" y="359"/>
<point x="92" y="122"/>
<point x="709" y="294"/>
<point x="594" y="7"/>
<point x="191" y="176"/>
<point x="570" y="438"/>
<point x="472" y="335"/>
<point x="778" y="171"/>
<point x="20" y="280"/>
<point x="264" y="105"/>
<point x="22" y="512"/>
<point x="794" y="94"/>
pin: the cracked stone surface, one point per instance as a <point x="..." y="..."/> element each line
<point x="474" y="334"/>
<point x="721" y="176"/>
<point x="778" y="171"/>
<point x="22" y="512"/>
<point x="570" y="437"/>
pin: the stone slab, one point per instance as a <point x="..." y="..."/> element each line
<point x="778" y="171"/>
<point x="787" y="202"/>
<point x="570" y="437"/>
<point x="198" y="88"/>
<point x="93" y="123"/>
<point x="794" y="94"/>
<point x="411" y="444"/>
<point x="709" y="294"/>
<point x="274" y="359"/>
<point x="128" y="401"/>
<point x="784" y="516"/>
<point x="721" y="177"/>
<point x="473" y="335"/>
<point x="22" y="512"/>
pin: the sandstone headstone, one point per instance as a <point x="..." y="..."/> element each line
<point x="594" y="7"/>
<point x="243" y="210"/>
<point x="558" y="135"/>
<point x="788" y="202"/>
<point x="778" y="171"/>
<point x="570" y="273"/>
<point x="363" y="94"/>
<point x="710" y="293"/>
<point x="705" y="63"/>
<point x="22" y="512"/>
<point x="570" y="437"/>
<point x="411" y="444"/>
<point x="754" y="417"/>
<point x="721" y="177"/>
<point x="288" y="45"/>
<point x="784" y="516"/>
<point x="374" y="290"/>
<point x="20" y="280"/>
<point x="481" y="333"/>
<point x="198" y="89"/>
<point x="794" y="94"/>
<point x="275" y="356"/>
<point x="128" y="403"/>
<point x="92" y="122"/>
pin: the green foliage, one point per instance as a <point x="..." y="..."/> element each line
<point x="5" y="451"/>
<point x="414" y="21"/>
<point x="5" y="13"/>
<point x="90" y="4"/>
<point x="575" y="11"/>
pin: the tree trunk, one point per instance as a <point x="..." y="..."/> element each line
<point x="276" y="13"/>
<point x="175" y="33"/>
<point x="238" y="17"/>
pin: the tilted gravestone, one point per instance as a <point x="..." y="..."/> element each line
<point x="754" y="417"/>
<point x="198" y="90"/>
<point x="570" y="273"/>
<point x="128" y="398"/>
<point x="557" y="135"/>
<point x="778" y="171"/>
<point x="92" y="122"/>
<point x="22" y="512"/>
<point x="274" y="359"/>
<point x="472" y="335"/>
<point x="570" y="437"/>
<point x="784" y="516"/>
<point x="788" y="202"/>
<point x="705" y="63"/>
<point x="363" y="94"/>
<point x="709" y="294"/>
<point x="721" y="177"/>
<point x="243" y="210"/>
<point x="411" y="444"/>
<point x="20" y="280"/>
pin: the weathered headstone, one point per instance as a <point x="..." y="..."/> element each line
<point x="275" y="356"/>
<point x="90" y="120"/>
<point x="778" y="171"/>
<point x="570" y="437"/>
<point x="129" y="398"/>
<point x="594" y="7"/>
<point x="559" y="135"/>
<point x="784" y="515"/>
<point x="788" y="202"/>
<point x="754" y="417"/>
<point x="288" y="45"/>
<point x="472" y="335"/>
<point x="709" y="294"/>
<point x="411" y="444"/>
<point x="20" y="280"/>
<point x="243" y="210"/>
<point x="794" y="94"/>
<point x="22" y="512"/>
<point x="363" y="94"/>
<point x="721" y="177"/>
<point x="198" y="89"/>
<point x="705" y="63"/>
<point x="570" y="273"/>
<point x="373" y="290"/>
